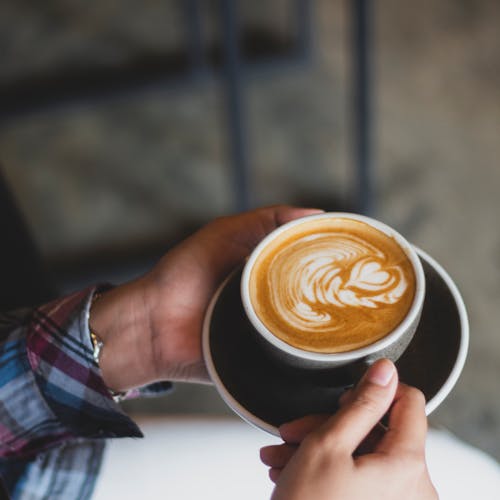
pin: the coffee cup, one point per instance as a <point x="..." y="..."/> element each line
<point x="333" y="289"/>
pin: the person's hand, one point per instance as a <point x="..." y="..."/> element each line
<point x="151" y="327"/>
<point x="351" y="455"/>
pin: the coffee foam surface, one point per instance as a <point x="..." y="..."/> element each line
<point x="332" y="285"/>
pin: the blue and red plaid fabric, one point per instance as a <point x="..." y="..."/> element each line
<point x="54" y="407"/>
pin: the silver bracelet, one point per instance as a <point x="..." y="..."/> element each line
<point x="97" y="346"/>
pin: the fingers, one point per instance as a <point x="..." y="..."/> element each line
<point x="284" y="214"/>
<point x="356" y="427"/>
<point x="225" y="242"/>
<point x="407" y="427"/>
<point x="294" y="432"/>
<point x="274" y="475"/>
<point x="369" y="402"/>
<point x="277" y="456"/>
<point x="251" y="227"/>
<point x="370" y="443"/>
<point x="346" y="397"/>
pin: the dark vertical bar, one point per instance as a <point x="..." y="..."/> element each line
<point x="232" y="73"/>
<point x="194" y="33"/>
<point x="302" y="12"/>
<point x="3" y="491"/>
<point x="361" y="16"/>
<point x="24" y="278"/>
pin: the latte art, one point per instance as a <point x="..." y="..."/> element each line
<point x="340" y="272"/>
<point x="334" y="287"/>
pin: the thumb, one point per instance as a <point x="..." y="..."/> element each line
<point x="225" y="242"/>
<point x="370" y="400"/>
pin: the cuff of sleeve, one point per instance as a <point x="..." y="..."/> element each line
<point x="60" y="353"/>
<point x="150" y="391"/>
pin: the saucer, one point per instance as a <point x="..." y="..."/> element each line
<point x="267" y="393"/>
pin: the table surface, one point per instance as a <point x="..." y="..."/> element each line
<point x="187" y="458"/>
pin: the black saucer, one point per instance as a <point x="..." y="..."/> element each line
<point x="268" y="394"/>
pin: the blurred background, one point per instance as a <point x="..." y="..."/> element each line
<point x="125" y="126"/>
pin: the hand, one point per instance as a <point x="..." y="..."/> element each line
<point x="151" y="327"/>
<point x="351" y="455"/>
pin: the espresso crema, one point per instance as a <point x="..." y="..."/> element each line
<point x="332" y="285"/>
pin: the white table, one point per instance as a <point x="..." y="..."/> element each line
<point x="188" y="458"/>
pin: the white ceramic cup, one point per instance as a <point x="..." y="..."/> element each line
<point x="390" y="346"/>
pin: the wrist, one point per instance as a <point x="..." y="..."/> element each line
<point x="120" y="319"/>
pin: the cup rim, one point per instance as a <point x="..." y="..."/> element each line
<point x="347" y="356"/>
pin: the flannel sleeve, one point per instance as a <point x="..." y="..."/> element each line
<point x="51" y="390"/>
<point x="55" y="409"/>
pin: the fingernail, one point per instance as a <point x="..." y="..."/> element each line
<point x="381" y="372"/>
<point x="314" y="211"/>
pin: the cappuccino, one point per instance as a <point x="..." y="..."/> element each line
<point x="332" y="285"/>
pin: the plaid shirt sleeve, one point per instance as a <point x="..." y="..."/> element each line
<point x="54" y="406"/>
